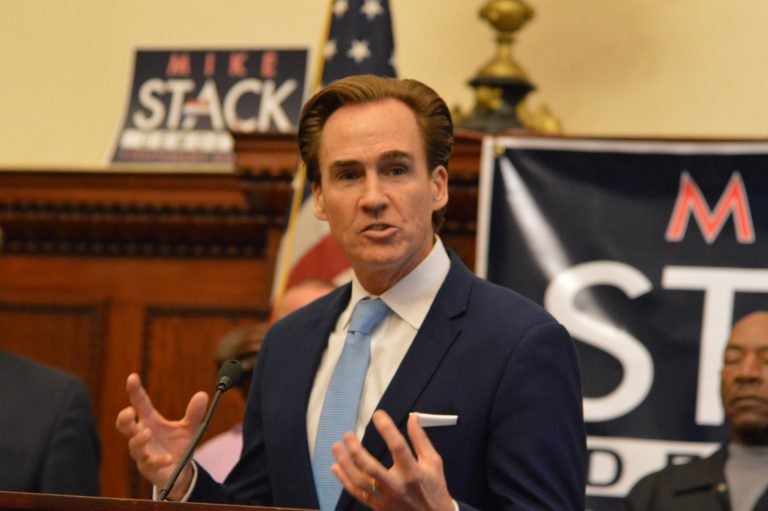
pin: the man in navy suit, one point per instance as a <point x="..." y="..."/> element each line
<point x="472" y="397"/>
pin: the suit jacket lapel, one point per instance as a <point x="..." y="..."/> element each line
<point x="433" y="340"/>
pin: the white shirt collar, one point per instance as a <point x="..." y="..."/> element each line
<point x="412" y="296"/>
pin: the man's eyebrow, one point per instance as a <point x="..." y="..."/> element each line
<point x="393" y="155"/>
<point x="343" y="164"/>
<point x="761" y="348"/>
<point x="396" y="154"/>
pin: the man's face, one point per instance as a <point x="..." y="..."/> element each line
<point x="744" y="385"/>
<point x="376" y="191"/>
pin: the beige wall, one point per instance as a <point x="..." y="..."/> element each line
<point x="604" y="67"/>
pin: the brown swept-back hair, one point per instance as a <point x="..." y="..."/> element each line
<point x="432" y="116"/>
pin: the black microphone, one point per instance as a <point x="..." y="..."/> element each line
<point x="229" y="374"/>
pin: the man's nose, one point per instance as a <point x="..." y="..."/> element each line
<point x="373" y="192"/>
<point x="750" y="367"/>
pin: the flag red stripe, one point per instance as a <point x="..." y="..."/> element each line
<point x="324" y="260"/>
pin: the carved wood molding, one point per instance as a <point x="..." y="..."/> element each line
<point x="142" y="231"/>
<point x="139" y="215"/>
<point x="184" y="214"/>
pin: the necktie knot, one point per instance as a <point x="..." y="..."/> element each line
<point x="367" y="314"/>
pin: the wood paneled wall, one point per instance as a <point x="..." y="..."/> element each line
<point x="103" y="274"/>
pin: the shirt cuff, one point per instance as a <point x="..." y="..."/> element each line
<point x="186" y="496"/>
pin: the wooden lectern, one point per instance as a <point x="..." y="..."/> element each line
<point x="13" y="501"/>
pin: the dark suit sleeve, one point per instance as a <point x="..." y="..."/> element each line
<point x="537" y="445"/>
<point x="71" y="465"/>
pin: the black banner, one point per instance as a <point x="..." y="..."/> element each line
<point x="647" y="251"/>
<point x="184" y="103"/>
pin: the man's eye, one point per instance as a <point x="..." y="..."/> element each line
<point x="347" y="176"/>
<point x="732" y="357"/>
<point x="398" y="170"/>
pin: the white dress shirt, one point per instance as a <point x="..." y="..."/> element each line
<point x="409" y="301"/>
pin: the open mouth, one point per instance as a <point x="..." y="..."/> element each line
<point x="378" y="229"/>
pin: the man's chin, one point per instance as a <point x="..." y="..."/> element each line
<point x="753" y="434"/>
<point x="380" y="257"/>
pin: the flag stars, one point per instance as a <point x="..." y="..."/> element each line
<point x="359" y="40"/>
<point x="359" y="50"/>
<point x="330" y="50"/>
<point x="340" y="8"/>
<point x="371" y="9"/>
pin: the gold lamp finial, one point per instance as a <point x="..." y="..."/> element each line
<point x="501" y="84"/>
<point x="507" y="17"/>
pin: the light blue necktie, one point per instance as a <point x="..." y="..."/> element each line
<point x="339" y="413"/>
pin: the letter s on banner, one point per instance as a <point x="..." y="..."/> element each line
<point x="636" y="362"/>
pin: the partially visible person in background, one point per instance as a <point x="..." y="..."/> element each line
<point x="49" y="442"/>
<point x="299" y="295"/>
<point x="735" y="477"/>
<point x="219" y="454"/>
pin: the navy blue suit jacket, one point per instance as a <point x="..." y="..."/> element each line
<point x="484" y="353"/>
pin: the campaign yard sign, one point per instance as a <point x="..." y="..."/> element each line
<point x="184" y="103"/>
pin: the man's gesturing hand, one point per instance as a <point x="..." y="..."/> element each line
<point x="155" y="443"/>
<point x="415" y="482"/>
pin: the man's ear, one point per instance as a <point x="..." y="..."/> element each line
<point x="439" y="180"/>
<point x="318" y="202"/>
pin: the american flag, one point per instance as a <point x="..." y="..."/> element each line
<point x="359" y="41"/>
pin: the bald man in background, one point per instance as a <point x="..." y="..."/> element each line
<point x="299" y="295"/>
<point x="735" y="477"/>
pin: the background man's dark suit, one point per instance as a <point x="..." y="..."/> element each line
<point x="48" y="437"/>
<point x="696" y="486"/>
<point x="496" y="360"/>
